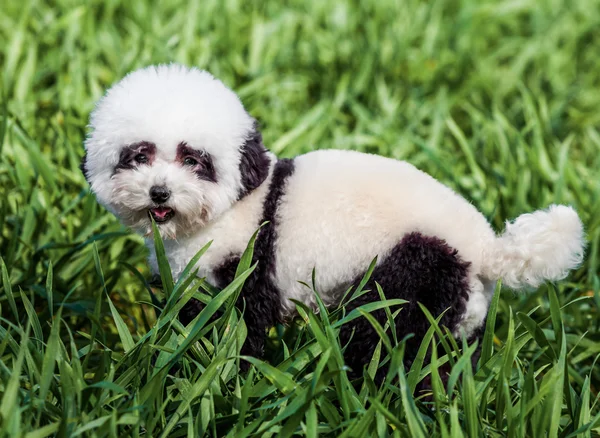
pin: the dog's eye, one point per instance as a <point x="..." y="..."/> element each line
<point x="141" y="158"/>
<point x="189" y="161"/>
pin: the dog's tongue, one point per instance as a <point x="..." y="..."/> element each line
<point x="161" y="212"/>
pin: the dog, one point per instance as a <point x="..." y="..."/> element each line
<point x="174" y="145"/>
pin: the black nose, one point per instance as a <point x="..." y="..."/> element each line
<point x="159" y="194"/>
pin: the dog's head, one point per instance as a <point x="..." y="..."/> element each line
<point x="175" y="144"/>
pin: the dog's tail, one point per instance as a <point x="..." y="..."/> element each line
<point x="536" y="247"/>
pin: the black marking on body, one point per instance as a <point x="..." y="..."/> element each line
<point x="418" y="269"/>
<point x="225" y="272"/>
<point x="83" y="167"/>
<point x="260" y="298"/>
<point x="191" y="309"/>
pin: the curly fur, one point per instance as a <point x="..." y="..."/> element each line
<point x="260" y="298"/>
<point x="329" y="211"/>
<point x="254" y="163"/>
<point x="420" y="269"/>
<point x="527" y="254"/>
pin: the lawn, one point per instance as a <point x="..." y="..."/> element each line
<point x="498" y="99"/>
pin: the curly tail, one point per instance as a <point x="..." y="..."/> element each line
<point x="536" y="247"/>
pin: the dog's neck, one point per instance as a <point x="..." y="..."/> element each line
<point x="229" y="233"/>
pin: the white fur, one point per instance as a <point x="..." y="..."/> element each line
<point x="340" y="208"/>
<point x="349" y="207"/>
<point x="228" y="235"/>
<point x="537" y="247"/>
<point x="480" y="295"/>
<point x="166" y="105"/>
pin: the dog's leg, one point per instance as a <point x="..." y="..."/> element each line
<point x="260" y="303"/>
<point x="419" y="269"/>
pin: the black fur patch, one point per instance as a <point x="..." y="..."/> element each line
<point x="419" y="269"/>
<point x="128" y="158"/>
<point x="203" y="167"/>
<point x="83" y="167"/>
<point x="261" y="298"/>
<point x="225" y="272"/>
<point x="191" y="309"/>
<point x="254" y="163"/>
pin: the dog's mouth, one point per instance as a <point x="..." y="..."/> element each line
<point x="161" y="214"/>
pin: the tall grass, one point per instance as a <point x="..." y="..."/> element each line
<point x="499" y="100"/>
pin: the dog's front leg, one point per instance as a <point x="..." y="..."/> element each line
<point x="260" y="304"/>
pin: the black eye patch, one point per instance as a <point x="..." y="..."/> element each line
<point x="136" y="154"/>
<point x="197" y="161"/>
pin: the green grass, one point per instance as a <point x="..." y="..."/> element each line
<point x="499" y="100"/>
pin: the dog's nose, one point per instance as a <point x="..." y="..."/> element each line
<point x="159" y="194"/>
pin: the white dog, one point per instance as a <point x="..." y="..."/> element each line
<point x="175" y="144"/>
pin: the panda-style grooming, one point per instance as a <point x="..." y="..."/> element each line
<point x="175" y="144"/>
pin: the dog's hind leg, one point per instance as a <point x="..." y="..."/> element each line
<point x="419" y="269"/>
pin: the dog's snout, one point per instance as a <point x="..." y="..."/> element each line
<point x="159" y="194"/>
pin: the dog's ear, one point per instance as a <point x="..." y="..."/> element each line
<point x="83" y="167"/>
<point x="254" y="163"/>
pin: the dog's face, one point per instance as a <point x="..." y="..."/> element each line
<point x="173" y="144"/>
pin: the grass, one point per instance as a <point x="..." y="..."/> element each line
<point x="499" y="100"/>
